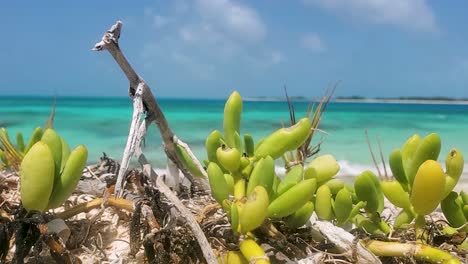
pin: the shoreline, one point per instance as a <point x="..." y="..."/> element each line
<point x="447" y="101"/>
<point x="365" y="101"/>
<point x="401" y="101"/>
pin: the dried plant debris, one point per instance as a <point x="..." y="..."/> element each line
<point x="153" y="233"/>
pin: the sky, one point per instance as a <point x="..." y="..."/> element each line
<point x="208" y="48"/>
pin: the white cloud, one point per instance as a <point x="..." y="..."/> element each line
<point x="412" y="14"/>
<point x="160" y="21"/>
<point x="187" y="35"/>
<point x="203" y="35"/>
<point x="201" y="70"/>
<point x="156" y="20"/>
<point x="276" y="57"/>
<point x="313" y="42"/>
<point x="235" y="20"/>
<point x="148" y="11"/>
<point x="181" y="6"/>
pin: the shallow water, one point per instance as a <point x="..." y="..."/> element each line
<point x="102" y="124"/>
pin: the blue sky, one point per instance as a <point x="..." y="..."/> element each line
<point x="207" y="48"/>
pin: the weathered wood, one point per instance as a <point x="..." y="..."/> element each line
<point x="344" y="242"/>
<point x="145" y="103"/>
<point x="109" y="42"/>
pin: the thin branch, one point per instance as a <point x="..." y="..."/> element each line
<point x="186" y="214"/>
<point x="192" y="156"/>
<point x="372" y="153"/>
<point x="200" y="181"/>
<point x="172" y="178"/>
<point x="292" y="114"/>
<point x="145" y="101"/>
<point x="382" y="158"/>
<point x="109" y="42"/>
<point x="131" y="140"/>
<point x="162" y="187"/>
<point x="149" y="215"/>
<point x="50" y="120"/>
<point x="96" y="203"/>
<point x="191" y="221"/>
<point x="305" y="151"/>
<point x="344" y="242"/>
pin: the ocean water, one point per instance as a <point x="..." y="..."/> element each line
<point x="102" y="124"/>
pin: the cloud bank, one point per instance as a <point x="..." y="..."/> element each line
<point x="202" y="35"/>
<point x="412" y="14"/>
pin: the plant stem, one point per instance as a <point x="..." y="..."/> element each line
<point x="408" y="249"/>
<point x="419" y="225"/>
<point x="88" y="206"/>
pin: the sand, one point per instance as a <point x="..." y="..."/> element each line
<point x="102" y="235"/>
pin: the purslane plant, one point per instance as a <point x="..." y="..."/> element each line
<point x="421" y="184"/>
<point x="243" y="181"/>
<point x="12" y="154"/>
<point x="49" y="172"/>
<point x="369" y="190"/>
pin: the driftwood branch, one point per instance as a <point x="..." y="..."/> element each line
<point x="197" y="180"/>
<point x="132" y="139"/>
<point x="144" y="102"/>
<point x="110" y="42"/>
<point x="192" y="156"/>
<point x="191" y="221"/>
<point x="344" y="242"/>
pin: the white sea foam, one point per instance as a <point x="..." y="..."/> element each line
<point x="347" y="171"/>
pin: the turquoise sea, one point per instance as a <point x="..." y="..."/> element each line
<point x="102" y="124"/>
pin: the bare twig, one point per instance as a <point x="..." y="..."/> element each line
<point x="305" y="150"/>
<point x="200" y="181"/>
<point x="162" y="187"/>
<point x="191" y="221"/>
<point x="132" y="138"/>
<point x="109" y="42"/>
<point x="96" y="203"/>
<point x="144" y="100"/>
<point x="343" y="242"/>
<point x="292" y="114"/>
<point x="148" y="214"/>
<point x="192" y="156"/>
<point x="372" y="154"/>
<point x="50" y="121"/>
<point x="382" y="158"/>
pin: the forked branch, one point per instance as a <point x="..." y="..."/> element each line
<point x="144" y="102"/>
<point x="110" y="42"/>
